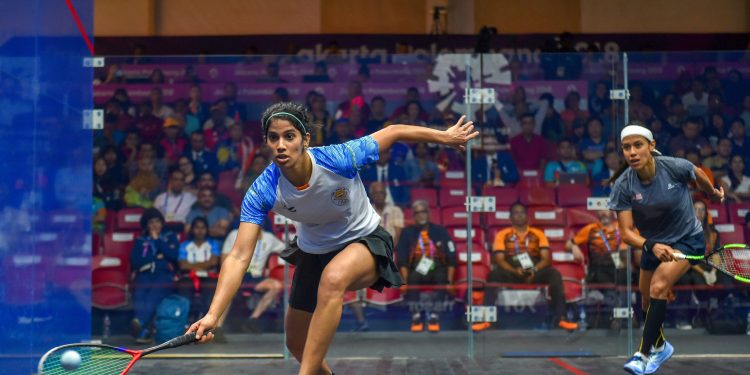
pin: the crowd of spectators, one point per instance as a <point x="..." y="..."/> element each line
<point x="191" y="161"/>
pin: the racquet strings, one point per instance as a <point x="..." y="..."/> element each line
<point x="94" y="360"/>
<point x="733" y="260"/>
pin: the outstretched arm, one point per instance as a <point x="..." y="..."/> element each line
<point x="455" y="136"/>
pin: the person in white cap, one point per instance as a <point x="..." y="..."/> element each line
<point x="651" y="192"/>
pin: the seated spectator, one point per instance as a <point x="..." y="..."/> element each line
<point x="106" y="188"/>
<point x="156" y="77"/>
<point x="319" y="115"/>
<point x="234" y="110"/>
<point x="342" y="132"/>
<point x="736" y="184"/>
<point x="426" y="256"/>
<point x="695" y="158"/>
<point x="320" y="73"/>
<point x="413" y="114"/>
<point x="719" y="163"/>
<point x="662" y="135"/>
<point x="515" y="124"/>
<point x="422" y="171"/>
<point x="148" y="125"/>
<point x="735" y="88"/>
<point x="602" y="172"/>
<point x="272" y="74"/>
<point x="116" y="171"/>
<point x="152" y="261"/>
<point x="740" y="143"/>
<point x="143" y="188"/>
<point x="553" y="128"/>
<point x="599" y="102"/>
<point x="189" y="122"/>
<point x="390" y="174"/>
<point x="391" y="217"/>
<point x="716" y="129"/>
<point x="412" y="96"/>
<point x="158" y="108"/>
<point x="639" y="110"/>
<point x="528" y="148"/>
<point x="185" y="165"/>
<point x="207" y="181"/>
<point x="566" y="164"/>
<point x="218" y="218"/>
<point x="696" y="101"/>
<point x="604" y="248"/>
<point x="256" y="276"/>
<point x="235" y="152"/>
<point x="175" y="203"/>
<point x="573" y="110"/>
<point x="493" y="169"/>
<point x="150" y="151"/>
<point x="204" y="160"/>
<point x="592" y="147"/>
<point x="121" y="96"/>
<point x="199" y="262"/>
<point x="355" y="98"/>
<point x="174" y="143"/>
<point x="259" y="164"/>
<point x="215" y="129"/>
<point x="378" y="118"/>
<point x="196" y="108"/>
<point x="690" y="139"/>
<point x="745" y="114"/>
<point x="521" y="255"/>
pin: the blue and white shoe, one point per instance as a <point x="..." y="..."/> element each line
<point x="636" y="365"/>
<point x="658" y="356"/>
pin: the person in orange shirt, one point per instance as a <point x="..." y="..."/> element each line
<point x="605" y="250"/>
<point x="521" y="254"/>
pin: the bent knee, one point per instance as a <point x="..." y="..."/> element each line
<point x="332" y="284"/>
<point x="658" y="289"/>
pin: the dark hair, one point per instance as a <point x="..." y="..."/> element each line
<point x="148" y="214"/>
<point x="693" y="120"/>
<point x="548" y="97"/>
<point x="199" y="219"/>
<point x="376" y="99"/>
<point x="525" y="115"/>
<point x="518" y="203"/>
<point x="297" y="116"/>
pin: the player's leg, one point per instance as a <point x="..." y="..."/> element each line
<point x="270" y="289"/>
<point x="297" y="324"/>
<point x="351" y="269"/>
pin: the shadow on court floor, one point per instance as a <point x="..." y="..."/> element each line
<point x="497" y="352"/>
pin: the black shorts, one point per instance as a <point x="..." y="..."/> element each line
<point x="692" y="245"/>
<point x="309" y="267"/>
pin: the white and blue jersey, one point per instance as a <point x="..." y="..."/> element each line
<point x="332" y="210"/>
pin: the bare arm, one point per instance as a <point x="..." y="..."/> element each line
<point x="704" y="184"/>
<point x="545" y="261"/>
<point x="627" y="228"/>
<point x="503" y="263"/>
<point x="232" y="270"/>
<point x="455" y="136"/>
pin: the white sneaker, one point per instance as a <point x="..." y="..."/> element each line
<point x="658" y="357"/>
<point x="636" y="365"/>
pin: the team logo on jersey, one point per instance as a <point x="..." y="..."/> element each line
<point x="340" y="196"/>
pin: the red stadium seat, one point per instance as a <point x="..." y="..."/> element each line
<point x="129" y="219"/>
<point x="275" y="268"/>
<point x="491" y="234"/>
<point x="452" y="197"/>
<point x="542" y="216"/>
<point x="537" y="196"/>
<point x="453" y="179"/>
<point x="387" y="297"/>
<point x="460" y="234"/>
<point x="109" y="283"/>
<point x="504" y="196"/>
<point x="737" y="212"/>
<point x="457" y="216"/>
<point x="225" y="186"/>
<point x="572" y="195"/>
<point x="427" y="194"/>
<point x="96" y="243"/>
<point x="530" y="178"/>
<point x="574" y="280"/>
<point x="499" y="218"/>
<point x="730" y="233"/>
<point x="579" y="217"/>
<point x="119" y="244"/>
<point x="557" y="236"/>
<point x="718" y="213"/>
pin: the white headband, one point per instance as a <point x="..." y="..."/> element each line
<point x="638" y="130"/>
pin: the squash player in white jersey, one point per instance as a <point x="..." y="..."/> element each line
<point x="340" y="245"/>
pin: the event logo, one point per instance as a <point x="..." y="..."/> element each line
<point x="340" y="196"/>
<point x="451" y="72"/>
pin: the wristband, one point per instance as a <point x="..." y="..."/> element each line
<point x="649" y="245"/>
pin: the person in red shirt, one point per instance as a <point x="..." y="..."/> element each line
<point x="528" y="148"/>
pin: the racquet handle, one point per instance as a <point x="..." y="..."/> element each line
<point x="180" y="341"/>
<point x="679" y="255"/>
